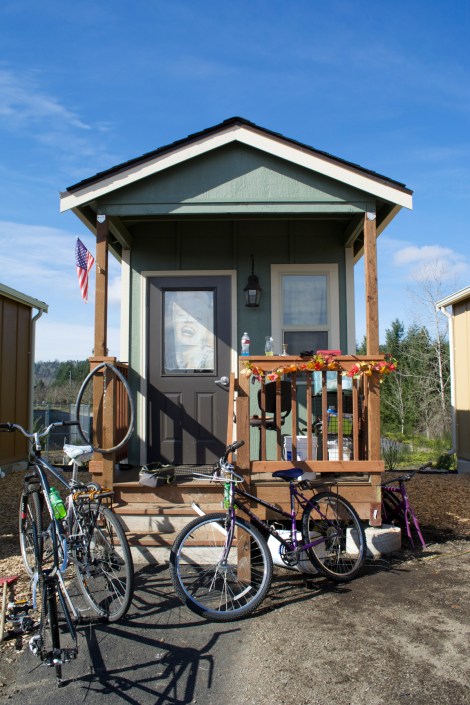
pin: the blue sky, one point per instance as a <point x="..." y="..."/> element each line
<point x="85" y="87"/>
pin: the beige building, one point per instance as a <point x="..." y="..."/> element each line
<point x="457" y="309"/>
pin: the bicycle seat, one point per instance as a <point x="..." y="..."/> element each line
<point x="295" y="474"/>
<point x="78" y="454"/>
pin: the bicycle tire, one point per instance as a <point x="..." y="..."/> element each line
<point x="218" y="592"/>
<point x="342" y="553"/>
<point x="78" y="402"/>
<point x="31" y="529"/>
<point x="103" y="564"/>
<point x="391" y="502"/>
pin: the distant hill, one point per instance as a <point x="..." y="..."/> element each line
<point x="59" y="382"/>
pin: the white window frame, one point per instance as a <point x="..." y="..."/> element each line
<point x="328" y="270"/>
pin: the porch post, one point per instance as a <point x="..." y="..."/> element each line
<point x="372" y="332"/>
<point x="372" y="300"/>
<point x="101" y="295"/>
<point x="102" y="464"/>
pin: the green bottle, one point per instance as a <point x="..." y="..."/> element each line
<point x="57" y="504"/>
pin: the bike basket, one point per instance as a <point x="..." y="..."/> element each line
<point x="156" y="475"/>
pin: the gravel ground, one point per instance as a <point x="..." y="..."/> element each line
<point x="395" y="635"/>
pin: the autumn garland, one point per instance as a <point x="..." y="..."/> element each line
<point x="322" y="363"/>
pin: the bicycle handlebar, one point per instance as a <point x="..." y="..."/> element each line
<point x="408" y="476"/>
<point x="10" y="427"/>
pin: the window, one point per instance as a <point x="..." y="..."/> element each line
<point x="305" y="312"/>
<point x="189" y="340"/>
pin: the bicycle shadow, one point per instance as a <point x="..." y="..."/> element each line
<point x="171" y="677"/>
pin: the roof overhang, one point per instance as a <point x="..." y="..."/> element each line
<point x="23" y="298"/>
<point x="235" y="130"/>
<point x="454" y="298"/>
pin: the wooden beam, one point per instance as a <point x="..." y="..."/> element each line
<point x="101" y="295"/>
<point x="370" y="265"/>
<point x="353" y="230"/>
<point x="121" y="233"/>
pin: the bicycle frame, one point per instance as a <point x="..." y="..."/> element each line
<point x="296" y="497"/>
<point x="41" y="467"/>
<point x="405" y="507"/>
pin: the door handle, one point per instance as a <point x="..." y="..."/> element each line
<point x="223" y="382"/>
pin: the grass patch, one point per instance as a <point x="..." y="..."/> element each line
<point x="405" y="451"/>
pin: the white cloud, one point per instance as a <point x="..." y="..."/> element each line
<point x="37" y="259"/>
<point x="40" y="261"/>
<point x="445" y="262"/>
<point x="69" y="341"/>
<point x="23" y="102"/>
<point x="114" y="291"/>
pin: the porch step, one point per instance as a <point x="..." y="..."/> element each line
<point x="157" y="524"/>
<point x="151" y="528"/>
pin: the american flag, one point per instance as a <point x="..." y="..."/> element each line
<point x="84" y="261"/>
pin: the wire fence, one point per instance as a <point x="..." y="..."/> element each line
<point x="46" y="414"/>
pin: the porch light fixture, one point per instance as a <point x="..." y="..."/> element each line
<point x="252" y="289"/>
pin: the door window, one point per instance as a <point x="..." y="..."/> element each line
<point x="188" y="340"/>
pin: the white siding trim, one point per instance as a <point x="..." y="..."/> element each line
<point x="125" y="304"/>
<point x="350" y="301"/>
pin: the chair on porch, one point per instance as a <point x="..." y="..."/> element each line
<point x="270" y="407"/>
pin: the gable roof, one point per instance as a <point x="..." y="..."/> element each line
<point x="233" y="130"/>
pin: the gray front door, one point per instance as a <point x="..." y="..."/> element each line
<point x="189" y="347"/>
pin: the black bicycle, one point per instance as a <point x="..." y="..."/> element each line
<point x="81" y="531"/>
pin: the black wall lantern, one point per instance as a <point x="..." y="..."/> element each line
<point x="252" y="289"/>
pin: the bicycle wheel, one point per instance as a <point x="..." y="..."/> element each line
<point x="341" y="552"/>
<point x="390" y="506"/>
<point x="220" y="590"/>
<point x="31" y="529"/>
<point x="103" y="562"/>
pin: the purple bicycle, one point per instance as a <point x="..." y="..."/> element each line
<point x="396" y="505"/>
<point x="220" y="563"/>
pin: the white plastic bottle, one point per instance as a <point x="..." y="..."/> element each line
<point x="245" y="344"/>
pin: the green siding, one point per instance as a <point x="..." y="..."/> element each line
<point x="235" y="179"/>
<point x="225" y="245"/>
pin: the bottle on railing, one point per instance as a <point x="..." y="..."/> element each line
<point x="57" y="504"/>
<point x="245" y="344"/>
<point x="268" y="345"/>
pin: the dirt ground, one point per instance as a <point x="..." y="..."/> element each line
<point x="395" y="635"/>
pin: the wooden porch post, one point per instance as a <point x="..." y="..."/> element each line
<point x="372" y="299"/>
<point x="102" y="464"/>
<point x="101" y="296"/>
<point x="372" y="332"/>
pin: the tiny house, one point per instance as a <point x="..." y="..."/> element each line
<point x="240" y="229"/>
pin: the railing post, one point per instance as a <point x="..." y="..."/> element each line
<point x="104" y="422"/>
<point x="243" y="425"/>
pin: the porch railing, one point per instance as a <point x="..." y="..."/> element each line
<point x="335" y="418"/>
<point x="110" y="418"/>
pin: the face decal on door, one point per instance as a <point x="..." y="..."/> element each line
<point x="189" y="331"/>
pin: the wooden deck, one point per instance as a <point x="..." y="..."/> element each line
<point x="153" y="517"/>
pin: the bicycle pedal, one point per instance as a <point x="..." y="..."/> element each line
<point x="68" y="655"/>
<point x="35" y="644"/>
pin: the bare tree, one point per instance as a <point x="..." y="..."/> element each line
<point x="432" y="282"/>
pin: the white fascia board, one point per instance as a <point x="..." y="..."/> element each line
<point x="454" y="298"/>
<point x="141" y="171"/>
<point x="250" y="137"/>
<point x="328" y="167"/>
